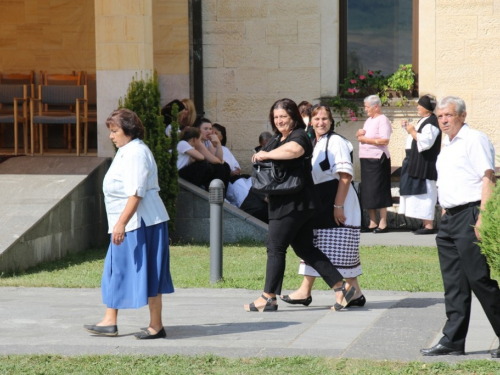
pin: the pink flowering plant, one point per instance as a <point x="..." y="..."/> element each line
<point x="361" y="85"/>
<point x="347" y="109"/>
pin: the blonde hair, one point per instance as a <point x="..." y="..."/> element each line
<point x="191" y="109"/>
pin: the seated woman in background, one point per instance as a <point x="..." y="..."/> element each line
<point x="220" y="132"/>
<point x="211" y="148"/>
<point x="263" y="139"/>
<point x="191" y="163"/>
<point x="186" y="115"/>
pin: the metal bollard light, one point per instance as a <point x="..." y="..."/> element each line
<point x="216" y="199"/>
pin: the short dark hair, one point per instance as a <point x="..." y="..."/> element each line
<point x="320" y="106"/>
<point x="189" y="133"/>
<point x="264" y="136"/>
<point x="291" y="108"/>
<point x="304" y="108"/>
<point x="200" y="121"/>
<point x="222" y="130"/>
<point x="128" y="121"/>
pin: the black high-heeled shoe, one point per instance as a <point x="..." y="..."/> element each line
<point x="270" y="305"/>
<point x="358" y="302"/>
<point x="305" y="301"/>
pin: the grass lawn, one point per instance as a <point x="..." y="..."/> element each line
<point x="54" y="365"/>
<point x="385" y="268"/>
<point x="398" y="268"/>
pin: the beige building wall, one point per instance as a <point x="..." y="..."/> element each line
<point x="171" y="48"/>
<point x="458" y="55"/>
<point x="124" y="49"/>
<point x="256" y="52"/>
<point x="52" y="36"/>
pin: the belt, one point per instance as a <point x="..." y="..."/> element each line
<point x="455" y="210"/>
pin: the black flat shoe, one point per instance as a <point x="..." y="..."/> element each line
<point x="146" y="335"/>
<point x="378" y="230"/>
<point x="101" y="330"/>
<point x="367" y="230"/>
<point x="359" y="302"/>
<point x="306" y="301"/>
<point x="423" y="231"/>
<point x="439" y="349"/>
<point x="269" y="306"/>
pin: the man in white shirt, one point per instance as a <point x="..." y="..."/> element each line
<point x="465" y="169"/>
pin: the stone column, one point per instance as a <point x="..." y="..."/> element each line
<point x="124" y="48"/>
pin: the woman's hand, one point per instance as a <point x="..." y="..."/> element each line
<point x="338" y="215"/>
<point x="236" y="172"/>
<point x="360" y="135"/>
<point x="118" y="234"/>
<point x="214" y="139"/>
<point x="259" y="156"/>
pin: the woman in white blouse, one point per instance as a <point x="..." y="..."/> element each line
<point x="136" y="269"/>
<point x="191" y="163"/>
<point x="337" y="222"/>
<point x="417" y="188"/>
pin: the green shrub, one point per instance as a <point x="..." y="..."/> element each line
<point x="490" y="230"/>
<point x="143" y="97"/>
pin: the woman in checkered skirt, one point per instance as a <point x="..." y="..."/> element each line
<point x="338" y="221"/>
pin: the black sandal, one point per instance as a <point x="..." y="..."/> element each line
<point x="269" y="306"/>
<point x="348" y="295"/>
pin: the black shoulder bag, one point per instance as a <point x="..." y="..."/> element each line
<point x="272" y="177"/>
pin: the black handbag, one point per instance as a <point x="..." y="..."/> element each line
<point x="271" y="178"/>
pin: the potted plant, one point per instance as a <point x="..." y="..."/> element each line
<point x="401" y="82"/>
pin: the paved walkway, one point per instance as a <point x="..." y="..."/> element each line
<point x="392" y="325"/>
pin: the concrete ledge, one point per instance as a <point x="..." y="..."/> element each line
<point x="193" y="219"/>
<point x="46" y="215"/>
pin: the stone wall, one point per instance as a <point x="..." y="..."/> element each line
<point x="458" y="55"/>
<point x="171" y="48"/>
<point x="77" y="222"/>
<point x="193" y="219"/>
<point x="256" y="52"/>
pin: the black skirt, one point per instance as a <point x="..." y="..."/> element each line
<point x="376" y="182"/>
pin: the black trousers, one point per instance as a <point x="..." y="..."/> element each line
<point x="295" y="229"/>
<point x="464" y="268"/>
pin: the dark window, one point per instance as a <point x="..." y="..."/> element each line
<point x="378" y="35"/>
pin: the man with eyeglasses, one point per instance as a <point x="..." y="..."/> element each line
<point x="465" y="169"/>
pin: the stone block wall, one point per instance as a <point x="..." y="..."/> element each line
<point x="256" y="52"/>
<point x="458" y="55"/>
<point x="171" y="48"/>
<point x="193" y="219"/>
<point x="76" y="223"/>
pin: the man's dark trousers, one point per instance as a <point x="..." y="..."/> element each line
<point x="463" y="268"/>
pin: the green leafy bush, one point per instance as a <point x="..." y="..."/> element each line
<point x="490" y="230"/>
<point x="143" y="97"/>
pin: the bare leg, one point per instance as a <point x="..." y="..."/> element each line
<point x="372" y="213"/>
<point x="155" y="306"/>
<point x="110" y="317"/>
<point x="429" y="224"/>
<point x="305" y="288"/>
<point x="383" y="218"/>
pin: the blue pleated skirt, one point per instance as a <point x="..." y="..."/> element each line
<point x="138" y="268"/>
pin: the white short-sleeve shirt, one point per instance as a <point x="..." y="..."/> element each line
<point x="133" y="171"/>
<point x="230" y="159"/>
<point x="182" y="157"/>
<point x="461" y="166"/>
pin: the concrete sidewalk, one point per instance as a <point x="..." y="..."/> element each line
<point x="392" y="325"/>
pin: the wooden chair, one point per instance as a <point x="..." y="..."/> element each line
<point x="60" y="95"/>
<point x="17" y="79"/>
<point x="57" y="79"/>
<point x="14" y="79"/>
<point x="15" y="96"/>
<point x="91" y="82"/>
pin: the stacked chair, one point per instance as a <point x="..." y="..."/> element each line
<point x="59" y="99"/>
